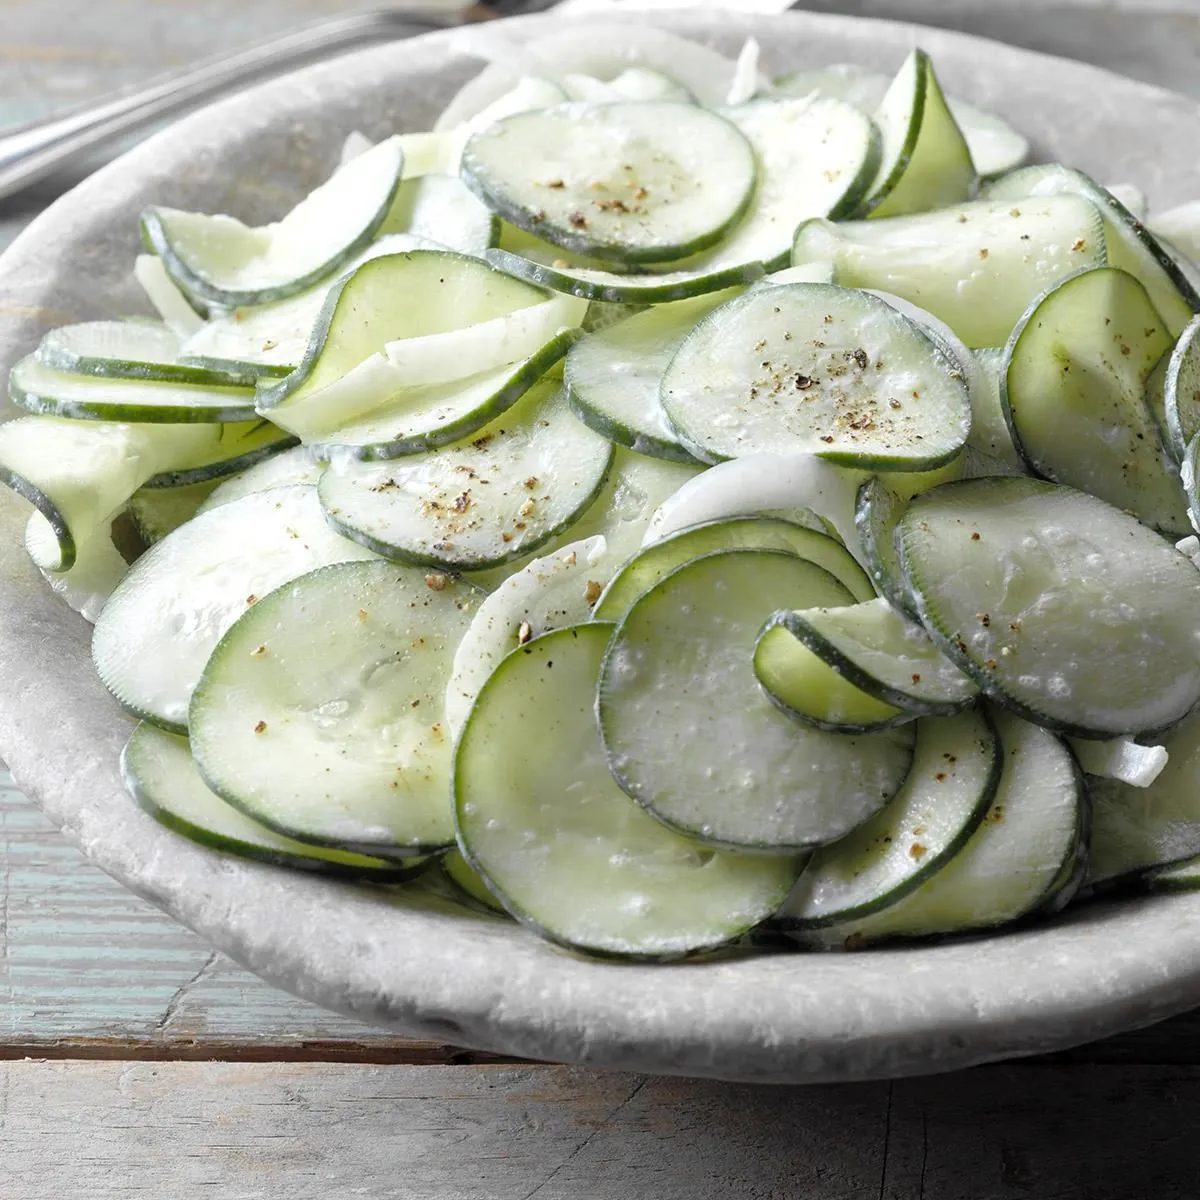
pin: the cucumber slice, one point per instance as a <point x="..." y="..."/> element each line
<point x="610" y="288"/>
<point x="1074" y="394"/>
<point x="689" y="733"/>
<point x="1020" y="858"/>
<point x="613" y="375"/>
<point x="169" y="302"/>
<point x="86" y="586"/>
<point x="348" y="746"/>
<point x="1129" y="245"/>
<point x="78" y="474"/>
<point x="160" y="774"/>
<point x="345" y="374"/>
<point x="442" y="209"/>
<point x="656" y="561"/>
<point x="420" y="419"/>
<point x="758" y="484"/>
<point x="632" y="182"/>
<point x="290" y="467"/>
<point x="184" y="592"/>
<point x="995" y="145"/>
<point x="233" y="447"/>
<point x="129" y="350"/>
<point x="43" y="390"/>
<point x="1138" y="828"/>
<point x="875" y="648"/>
<point x="216" y="260"/>
<point x="808" y="689"/>
<point x="1014" y="578"/>
<point x="634" y="83"/>
<point x="469" y="882"/>
<point x="479" y="503"/>
<point x="271" y="339"/>
<point x="956" y="770"/>
<point x="1181" y="391"/>
<point x="1138" y="766"/>
<point x="159" y="511"/>
<point x="925" y="161"/>
<point x="877" y="512"/>
<point x="815" y="369"/>
<point x="549" y="593"/>
<point x="970" y="265"/>
<point x="564" y="849"/>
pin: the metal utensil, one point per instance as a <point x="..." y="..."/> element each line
<point x="31" y="152"/>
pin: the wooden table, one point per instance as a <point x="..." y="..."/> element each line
<point x="134" y="1061"/>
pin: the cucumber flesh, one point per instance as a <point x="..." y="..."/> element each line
<point x="1074" y="393"/>
<point x="232" y="447"/>
<point x="442" y="209"/>
<point x="217" y="260"/>
<point x="657" y="560"/>
<point x="558" y="842"/>
<point x="1122" y="759"/>
<point x="613" y="375"/>
<point x="877" y="649"/>
<point x="346" y="745"/>
<point x="49" y="392"/>
<point x="956" y="770"/>
<point x="1013" y="578"/>
<point x="160" y="774"/>
<point x="291" y="467"/>
<point x="1018" y="859"/>
<point x="169" y="302"/>
<point x="1181" y="391"/>
<point x="1130" y="246"/>
<point x="159" y="627"/>
<point x="989" y="426"/>
<point x="551" y="592"/>
<point x="925" y="161"/>
<point x="810" y="368"/>
<point x="632" y="182"/>
<point x="970" y="265"/>
<point x="689" y="733"/>
<point x="159" y="511"/>
<point x="477" y="503"/>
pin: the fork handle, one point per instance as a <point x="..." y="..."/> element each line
<point x="31" y="152"/>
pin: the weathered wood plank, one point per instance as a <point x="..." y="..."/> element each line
<point x="107" y="1130"/>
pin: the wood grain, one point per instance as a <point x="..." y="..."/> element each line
<point x="307" y="1131"/>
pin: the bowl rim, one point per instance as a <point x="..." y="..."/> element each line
<point x="426" y="971"/>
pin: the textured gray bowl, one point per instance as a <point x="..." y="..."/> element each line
<point x="428" y="970"/>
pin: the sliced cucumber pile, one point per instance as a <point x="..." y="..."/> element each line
<point x="670" y="503"/>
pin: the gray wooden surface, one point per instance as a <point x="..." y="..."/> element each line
<point x="110" y="1013"/>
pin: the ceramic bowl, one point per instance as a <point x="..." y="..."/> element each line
<point x="422" y="967"/>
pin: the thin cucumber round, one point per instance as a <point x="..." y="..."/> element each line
<point x="235" y="447"/>
<point x="216" y="260"/>
<point x="613" y="375"/>
<point x="130" y="350"/>
<point x="420" y="419"/>
<point x="956" y="770"/>
<point x="969" y="265"/>
<point x="320" y="712"/>
<point x="1020" y="858"/>
<point x="1130" y="246"/>
<point x="467" y="880"/>
<point x="1074" y="394"/>
<point x="690" y="734"/>
<point x="564" y="849"/>
<point x="634" y="182"/>
<point x="160" y="625"/>
<point x="810" y="368"/>
<point x="657" y="560"/>
<point x="611" y="288"/>
<point x="877" y="649"/>
<point x="1056" y="604"/>
<point x="161" y="776"/>
<point x="1181" y="390"/>
<point x="281" y="470"/>
<point x="925" y="161"/>
<point x="176" y="310"/>
<point x="549" y="593"/>
<point x="480" y="503"/>
<point x="49" y="392"/>
<point x="876" y="514"/>
<point x="444" y="210"/>
<point x="345" y="374"/>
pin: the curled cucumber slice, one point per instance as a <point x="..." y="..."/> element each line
<point x="562" y="847"/>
